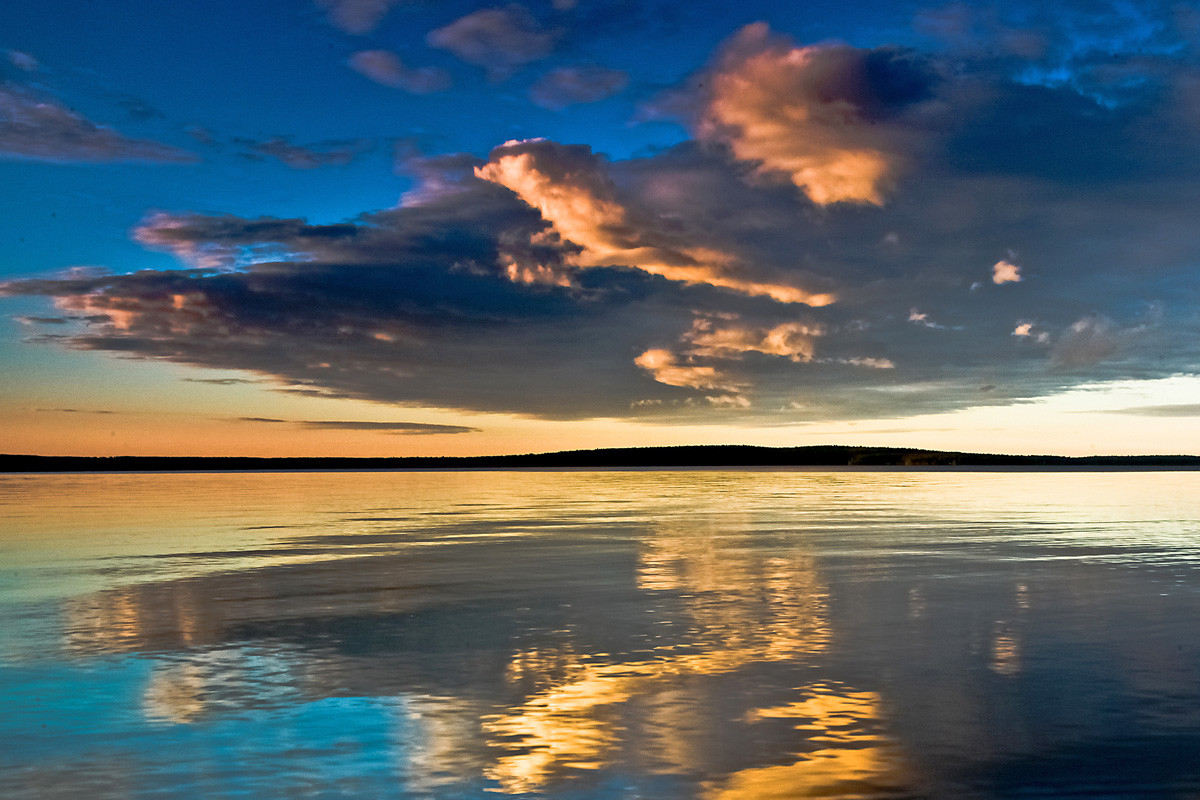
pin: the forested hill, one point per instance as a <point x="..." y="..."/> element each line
<point x="623" y="457"/>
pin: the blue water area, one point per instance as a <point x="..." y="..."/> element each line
<point x="642" y="634"/>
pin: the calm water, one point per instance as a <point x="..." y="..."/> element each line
<point x="678" y="634"/>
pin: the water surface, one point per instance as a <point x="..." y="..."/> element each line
<point x="623" y="634"/>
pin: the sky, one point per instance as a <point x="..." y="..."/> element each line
<point x="427" y="227"/>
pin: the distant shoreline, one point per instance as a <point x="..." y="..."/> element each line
<point x="685" y="457"/>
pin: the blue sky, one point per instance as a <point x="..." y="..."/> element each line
<point x="256" y="227"/>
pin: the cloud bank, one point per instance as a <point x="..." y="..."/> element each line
<point x="816" y="250"/>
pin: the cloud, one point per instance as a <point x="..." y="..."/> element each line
<point x="1088" y="341"/>
<point x="321" y="154"/>
<point x="1004" y="272"/>
<point x="551" y="281"/>
<point x="404" y="428"/>
<point x="567" y="86"/>
<point x="829" y="118"/>
<point x="22" y="61"/>
<point x="731" y="340"/>
<point x="921" y="318"/>
<point x="1029" y="329"/>
<point x="26" y="319"/>
<point x="666" y="368"/>
<point x="74" y="411"/>
<point x="386" y="69"/>
<point x="498" y="39"/>
<point x="568" y="186"/>
<point x="222" y="381"/>
<point x="357" y="17"/>
<point x="224" y="242"/>
<point x="703" y="358"/>
<point x="1177" y="410"/>
<point x="34" y="127"/>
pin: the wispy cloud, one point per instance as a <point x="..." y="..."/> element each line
<point x="385" y="68"/>
<point x="498" y="39"/>
<point x="404" y="428"/>
<point x="74" y="411"/>
<point x="222" y="381"/>
<point x="567" y="86"/>
<point x="336" y="153"/>
<point x="35" y="127"/>
<point x="357" y="17"/>
<point x="1179" y="410"/>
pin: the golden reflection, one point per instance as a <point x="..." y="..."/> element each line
<point x="175" y="694"/>
<point x="1005" y="654"/>
<point x="134" y="617"/>
<point x="851" y="759"/>
<point x="112" y="621"/>
<point x="1006" y="651"/>
<point x="741" y="607"/>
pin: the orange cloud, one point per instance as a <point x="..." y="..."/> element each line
<point x="1004" y="272"/>
<point x="730" y="341"/>
<point x="810" y="113"/>
<point x="568" y="187"/>
<point x="667" y="368"/>
<point x="792" y="340"/>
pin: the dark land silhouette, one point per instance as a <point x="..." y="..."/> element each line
<point x="696" y="456"/>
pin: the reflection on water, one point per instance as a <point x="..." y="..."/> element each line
<point x="711" y="634"/>
<point x="852" y="758"/>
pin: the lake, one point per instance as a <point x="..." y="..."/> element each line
<point x="717" y="634"/>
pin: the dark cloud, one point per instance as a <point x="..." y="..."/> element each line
<point x="498" y="39"/>
<point x="30" y="320"/>
<point x="568" y="86"/>
<point x="138" y="109"/>
<point x="34" y="127"/>
<point x="755" y="272"/>
<point x="320" y="154"/>
<point x="74" y="411"/>
<point x="402" y="428"/>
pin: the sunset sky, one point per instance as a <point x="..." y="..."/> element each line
<point x="420" y="227"/>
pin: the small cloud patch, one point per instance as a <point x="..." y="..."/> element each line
<point x="1006" y="272"/>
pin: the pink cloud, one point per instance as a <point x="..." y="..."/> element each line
<point x="667" y="368"/>
<point x="819" y="116"/>
<point x="1006" y="272"/>
<point x="572" y="192"/>
<point x="731" y="340"/>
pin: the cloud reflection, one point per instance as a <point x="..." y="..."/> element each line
<point x="851" y="759"/>
<point x="741" y="610"/>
